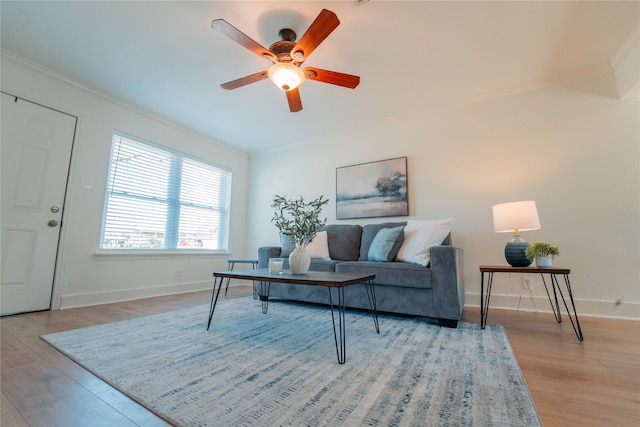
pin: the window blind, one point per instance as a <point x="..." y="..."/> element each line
<point x="158" y="199"/>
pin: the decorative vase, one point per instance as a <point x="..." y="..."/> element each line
<point x="299" y="261"/>
<point x="544" y="261"/>
<point x="515" y="252"/>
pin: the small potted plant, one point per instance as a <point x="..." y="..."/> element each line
<point x="543" y="253"/>
<point x="300" y="220"/>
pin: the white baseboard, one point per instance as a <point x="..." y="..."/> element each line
<point x="584" y="307"/>
<point x="597" y="308"/>
<point x="108" y="297"/>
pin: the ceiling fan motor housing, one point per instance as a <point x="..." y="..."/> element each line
<point x="282" y="49"/>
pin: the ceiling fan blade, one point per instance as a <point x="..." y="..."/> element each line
<point x="243" y="81"/>
<point x="319" y="29"/>
<point x="332" y="77"/>
<point x="242" y="39"/>
<point x="293" y="97"/>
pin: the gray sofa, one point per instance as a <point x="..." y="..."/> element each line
<point x="435" y="291"/>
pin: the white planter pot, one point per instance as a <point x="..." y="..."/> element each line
<point x="299" y="261"/>
<point x="544" y="261"/>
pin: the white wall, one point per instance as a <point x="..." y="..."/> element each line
<point x="82" y="277"/>
<point x="569" y="147"/>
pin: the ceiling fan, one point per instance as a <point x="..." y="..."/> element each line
<point x="287" y="56"/>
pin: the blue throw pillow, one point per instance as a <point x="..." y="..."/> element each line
<point x="386" y="244"/>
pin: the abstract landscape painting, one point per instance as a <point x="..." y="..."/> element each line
<point x="372" y="189"/>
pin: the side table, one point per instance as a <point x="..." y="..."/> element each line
<point x="553" y="272"/>
<point x="232" y="263"/>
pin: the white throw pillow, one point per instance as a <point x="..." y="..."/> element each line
<point x="319" y="246"/>
<point x="420" y="236"/>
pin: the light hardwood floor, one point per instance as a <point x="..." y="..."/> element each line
<point x="596" y="383"/>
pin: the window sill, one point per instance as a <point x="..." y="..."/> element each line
<point x="125" y="254"/>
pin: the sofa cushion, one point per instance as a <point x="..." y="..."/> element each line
<point x="420" y="236"/>
<point x="369" y="233"/>
<point x="287" y="244"/>
<point x="344" y="241"/>
<point x="390" y="273"/>
<point x="386" y="244"/>
<point x="317" y="264"/>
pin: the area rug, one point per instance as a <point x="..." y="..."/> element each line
<point x="281" y="368"/>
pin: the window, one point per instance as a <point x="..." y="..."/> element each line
<point x="160" y="199"/>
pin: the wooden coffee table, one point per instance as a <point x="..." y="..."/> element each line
<point x="313" y="278"/>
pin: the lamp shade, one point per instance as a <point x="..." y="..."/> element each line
<point x="515" y="216"/>
<point x="285" y="75"/>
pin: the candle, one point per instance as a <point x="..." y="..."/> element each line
<point x="276" y="265"/>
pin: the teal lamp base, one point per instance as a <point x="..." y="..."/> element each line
<point x="515" y="252"/>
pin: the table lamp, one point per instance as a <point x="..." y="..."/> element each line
<point x="515" y="217"/>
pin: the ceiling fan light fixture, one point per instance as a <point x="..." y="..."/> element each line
<point x="286" y="75"/>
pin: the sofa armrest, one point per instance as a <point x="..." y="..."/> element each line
<point x="446" y="281"/>
<point x="266" y="252"/>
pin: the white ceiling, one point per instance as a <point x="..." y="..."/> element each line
<point x="411" y="56"/>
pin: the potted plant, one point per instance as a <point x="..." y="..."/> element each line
<point x="300" y="220"/>
<point x="543" y="253"/>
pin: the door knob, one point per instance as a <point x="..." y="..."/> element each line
<point x="52" y="223"/>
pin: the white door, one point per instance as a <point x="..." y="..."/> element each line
<point x="36" y="151"/>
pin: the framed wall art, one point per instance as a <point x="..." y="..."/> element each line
<point x="372" y="189"/>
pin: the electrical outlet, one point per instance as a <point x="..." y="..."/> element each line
<point x="527" y="284"/>
<point x="178" y="274"/>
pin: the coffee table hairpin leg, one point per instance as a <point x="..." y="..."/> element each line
<point x="263" y="294"/>
<point x="232" y="263"/>
<point x="340" y="334"/>
<point x="214" y="298"/>
<point x="371" y="294"/>
<point x="341" y="347"/>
